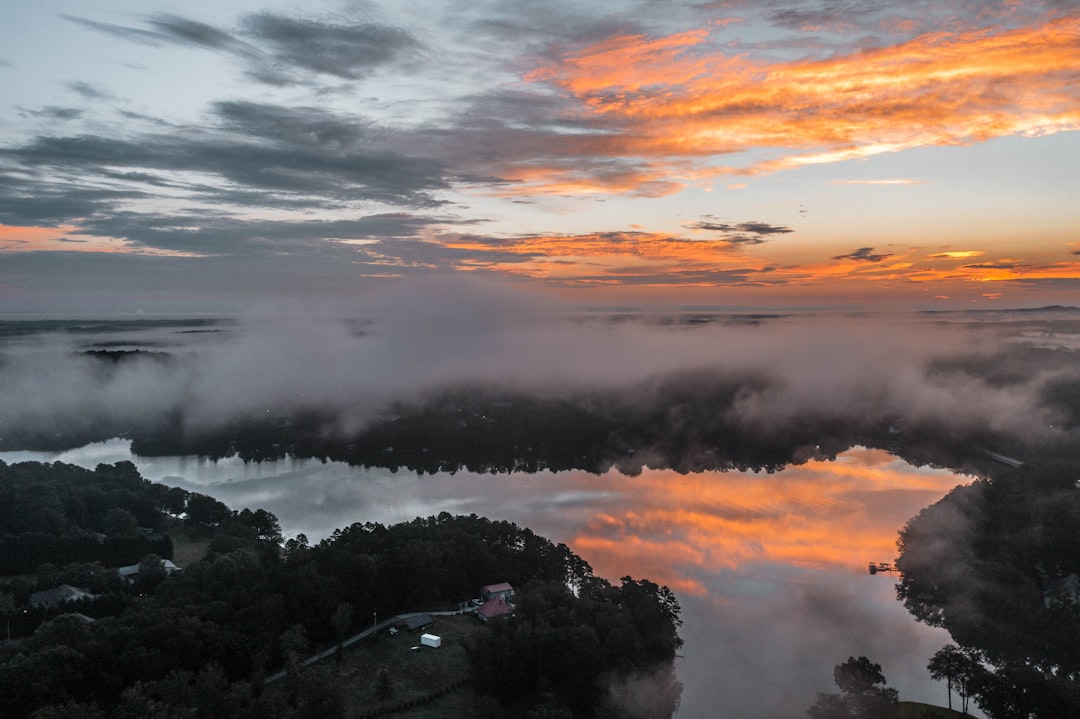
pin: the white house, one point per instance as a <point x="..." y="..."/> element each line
<point x="129" y="572"/>
<point x="56" y="596"/>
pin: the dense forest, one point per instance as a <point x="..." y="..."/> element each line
<point x="997" y="564"/>
<point x="61" y="514"/>
<point x="205" y="637"/>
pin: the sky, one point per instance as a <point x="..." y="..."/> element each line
<point x="197" y="156"/>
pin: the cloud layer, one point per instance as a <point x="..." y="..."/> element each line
<point x="765" y="381"/>
<point x="402" y="141"/>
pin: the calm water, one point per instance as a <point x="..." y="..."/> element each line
<point x="770" y="569"/>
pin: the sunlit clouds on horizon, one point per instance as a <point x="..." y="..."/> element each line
<point x="719" y="154"/>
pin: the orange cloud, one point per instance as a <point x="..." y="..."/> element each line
<point x="680" y="97"/>
<point x="25" y="239"/>
<point x="68" y="238"/>
<point x="643" y="259"/>
<point x="605" y="258"/>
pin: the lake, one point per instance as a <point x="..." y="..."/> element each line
<point x="770" y="569"/>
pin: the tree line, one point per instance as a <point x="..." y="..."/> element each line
<point x="997" y="564"/>
<point x="205" y="637"/>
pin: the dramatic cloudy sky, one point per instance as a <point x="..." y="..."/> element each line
<point x="191" y="156"/>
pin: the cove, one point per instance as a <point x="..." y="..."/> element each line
<point x="770" y="568"/>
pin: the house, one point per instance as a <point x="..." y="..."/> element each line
<point x="493" y="608"/>
<point x="52" y="598"/>
<point x="129" y="572"/>
<point x="493" y="591"/>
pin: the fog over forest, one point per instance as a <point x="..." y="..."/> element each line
<point x="781" y="380"/>
<point x="446" y="374"/>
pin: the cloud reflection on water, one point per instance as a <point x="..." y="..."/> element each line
<point x="770" y="568"/>
<point x="822" y="515"/>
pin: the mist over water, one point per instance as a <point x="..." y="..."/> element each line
<point x="770" y="568"/>
<point x="353" y="364"/>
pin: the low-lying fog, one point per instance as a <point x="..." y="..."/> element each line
<point x="351" y="364"/>
<point x="770" y="568"/>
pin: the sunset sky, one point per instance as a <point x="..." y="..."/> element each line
<point x="197" y="155"/>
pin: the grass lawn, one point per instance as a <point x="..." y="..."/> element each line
<point x="413" y="673"/>
<point x="186" y="551"/>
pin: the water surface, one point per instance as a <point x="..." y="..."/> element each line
<point x="770" y="568"/>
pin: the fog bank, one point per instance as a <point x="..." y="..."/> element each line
<point x="354" y="366"/>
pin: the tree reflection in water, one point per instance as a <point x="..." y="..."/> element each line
<point x="770" y="568"/>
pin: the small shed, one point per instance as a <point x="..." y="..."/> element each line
<point x="431" y="640"/>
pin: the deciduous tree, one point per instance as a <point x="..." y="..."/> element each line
<point x="861" y="696"/>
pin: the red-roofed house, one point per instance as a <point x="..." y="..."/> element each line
<point x="493" y="591"/>
<point x="492" y="608"/>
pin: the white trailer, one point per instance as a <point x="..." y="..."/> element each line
<point x="431" y="640"/>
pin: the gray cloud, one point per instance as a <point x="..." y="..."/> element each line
<point x="500" y="134"/>
<point x="366" y="173"/>
<point x="53" y="112"/>
<point x="88" y="91"/>
<point x="225" y="234"/>
<point x="546" y="27"/>
<point x="32" y="201"/>
<point x="412" y="255"/>
<point x="307" y="126"/>
<point x="145" y="37"/>
<point x="743" y="233"/>
<point x="992" y="266"/>
<point x="864" y="254"/>
<point x="829" y="15"/>
<point x="260" y="155"/>
<point x="279" y="49"/>
<point x="191" y="32"/>
<point x="341" y="50"/>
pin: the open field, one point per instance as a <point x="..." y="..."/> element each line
<point x="186" y="550"/>
<point x="414" y="673"/>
